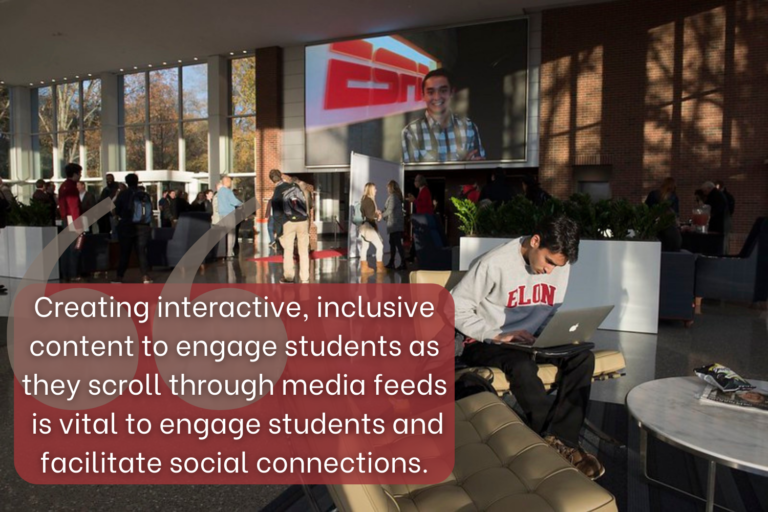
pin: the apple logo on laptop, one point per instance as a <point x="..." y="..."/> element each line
<point x="573" y="328"/>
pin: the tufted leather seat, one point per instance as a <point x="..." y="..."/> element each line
<point x="501" y="465"/>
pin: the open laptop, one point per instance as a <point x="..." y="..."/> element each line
<point x="566" y="328"/>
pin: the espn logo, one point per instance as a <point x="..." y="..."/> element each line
<point x="382" y="77"/>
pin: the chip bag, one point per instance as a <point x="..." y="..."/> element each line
<point x="722" y="377"/>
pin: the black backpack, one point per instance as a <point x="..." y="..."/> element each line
<point x="470" y="383"/>
<point x="294" y="203"/>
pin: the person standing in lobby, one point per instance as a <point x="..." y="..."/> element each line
<point x="369" y="232"/>
<point x="290" y="210"/>
<point x="69" y="205"/>
<point x="227" y="203"/>
<point x="393" y="214"/>
<point x="667" y="191"/>
<point x="87" y="199"/>
<point x="719" y="216"/>
<point x="132" y="232"/>
<point x="42" y="196"/>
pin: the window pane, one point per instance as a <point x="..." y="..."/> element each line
<point x="243" y="82"/>
<point x="243" y="188"/>
<point x="68" y="105"/>
<point x="44" y="110"/>
<point x="135" y="150"/>
<point x="195" y="91"/>
<point x="92" y="104"/>
<point x="93" y="153"/>
<point x="5" y="156"/>
<point x="165" y="146"/>
<point x="42" y="145"/>
<point x="243" y="131"/>
<point x="164" y="95"/>
<point x="69" y="147"/>
<point x="134" y="99"/>
<point x="196" y="139"/>
<point x="5" y="109"/>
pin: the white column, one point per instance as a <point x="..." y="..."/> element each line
<point x="21" y="129"/>
<point x="218" y="109"/>
<point x="110" y="134"/>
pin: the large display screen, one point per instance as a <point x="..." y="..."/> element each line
<point x="370" y="96"/>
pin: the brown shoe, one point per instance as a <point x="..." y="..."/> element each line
<point x="581" y="460"/>
<point x="365" y="268"/>
<point x="380" y="267"/>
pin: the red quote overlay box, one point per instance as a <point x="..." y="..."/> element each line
<point x="281" y="384"/>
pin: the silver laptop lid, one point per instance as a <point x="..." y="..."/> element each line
<point x="572" y="326"/>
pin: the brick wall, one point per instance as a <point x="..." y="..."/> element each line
<point x="658" y="88"/>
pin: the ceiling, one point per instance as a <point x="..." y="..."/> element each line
<point x="41" y="40"/>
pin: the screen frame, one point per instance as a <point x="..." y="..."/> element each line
<point x="477" y="164"/>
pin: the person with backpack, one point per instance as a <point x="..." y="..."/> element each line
<point x="134" y="209"/>
<point x="289" y="207"/>
<point x="369" y="232"/>
<point x="227" y="202"/>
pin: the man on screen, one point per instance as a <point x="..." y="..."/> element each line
<point x="441" y="135"/>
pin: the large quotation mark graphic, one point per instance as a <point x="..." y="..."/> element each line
<point x="37" y="338"/>
<point x="32" y="319"/>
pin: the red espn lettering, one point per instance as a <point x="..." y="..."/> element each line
<point x="339" y="94"/>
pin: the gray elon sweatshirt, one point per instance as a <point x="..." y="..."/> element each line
<point x="500" y="294"/>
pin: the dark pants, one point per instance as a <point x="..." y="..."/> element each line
<point x="562" y="419"/>
<point x="70" y="261"/>
<point x="396" y="242"/>
<point x="130" y="236"/>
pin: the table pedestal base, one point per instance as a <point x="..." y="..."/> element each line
<point x="710" y="499"/>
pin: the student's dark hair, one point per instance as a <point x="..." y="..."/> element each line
<point x="438" y="72"/>
<point x="40" y="183"/>
<point x="560" y="235"/>
<point x="72" y="168"/>
<point x="275" y="175"/>
<point x="132" y="180"/>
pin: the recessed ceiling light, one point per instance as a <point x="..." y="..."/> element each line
<point x="53" y="80"/>
<point x="245" y="51"/>
<point x="231" y="53"/>
<point x="77" y="76"/>
<point x="195" y="58"/>
<point x="165" y="63"/>
<point x="135" y="67"/>
<point x="30" y="83"/>
<point x="179" y="61"/>
<point x="121" y="70"/>
<point x="42" y="82"/>
<point x="90" y="74"/>
<point x="2" y="83"/>
<point x="149" y="65"/>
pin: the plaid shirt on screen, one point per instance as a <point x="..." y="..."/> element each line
<point x="424" y="140"/>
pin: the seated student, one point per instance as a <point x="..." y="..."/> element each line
<point x="510" y="293"/>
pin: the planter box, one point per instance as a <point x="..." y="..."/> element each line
<point x="24" y="245"/>
<point x="625" y="274"/>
